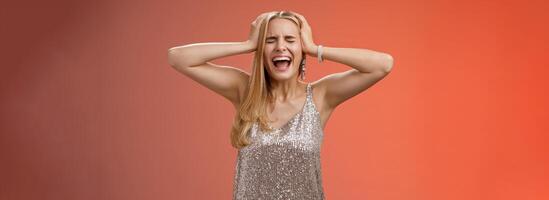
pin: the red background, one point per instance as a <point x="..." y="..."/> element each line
<point x="90" y="108"/>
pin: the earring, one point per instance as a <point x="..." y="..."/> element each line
<point x="302" y="69"/>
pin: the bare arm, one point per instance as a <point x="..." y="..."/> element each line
<point x="230" y="82"/>
<point x="199" y="53"/>
<point x="192" y="61"/>
<point x="368" y="68"/>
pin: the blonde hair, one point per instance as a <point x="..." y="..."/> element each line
<point x="254" y="106"/>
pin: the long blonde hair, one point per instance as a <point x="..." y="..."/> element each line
<point x="254" y="106"/>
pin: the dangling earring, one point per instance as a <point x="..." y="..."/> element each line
<point x="302" y="69"/>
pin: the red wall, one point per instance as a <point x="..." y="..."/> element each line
<point x="90" y="108"/>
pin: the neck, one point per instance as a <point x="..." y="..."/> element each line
<point x="285" y="90"/>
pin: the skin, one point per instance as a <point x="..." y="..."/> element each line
<point x="283" y="38"/>
<point x="368" y="67"/>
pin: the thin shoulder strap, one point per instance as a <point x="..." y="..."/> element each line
<point x="309" y="91"/>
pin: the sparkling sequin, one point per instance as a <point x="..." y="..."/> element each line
<point x="283" y="163"/>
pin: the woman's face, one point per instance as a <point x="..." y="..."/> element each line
<point x="283" y="52"/>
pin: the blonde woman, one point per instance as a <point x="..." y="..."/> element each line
<point x="279" y="122"/>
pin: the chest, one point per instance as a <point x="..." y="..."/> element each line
<point x="281" y="113"/>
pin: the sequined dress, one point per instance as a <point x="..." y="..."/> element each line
<point x="283" y="163"/>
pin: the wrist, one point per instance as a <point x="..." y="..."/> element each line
<point x="248" y="46"/>
<point x="313" y="50"/>
<point x="319" y="53"/>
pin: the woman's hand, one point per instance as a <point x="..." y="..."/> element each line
<point x="254" y="31"/>
<point x="309" y="47"/>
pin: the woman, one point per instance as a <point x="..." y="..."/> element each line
<point x="279" y="123"/>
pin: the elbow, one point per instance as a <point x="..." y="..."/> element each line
<point x="175" y="57"/>
<point x="171" y="56"/>
<point x="387" y="63"/>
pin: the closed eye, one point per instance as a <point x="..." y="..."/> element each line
<point x="271" y="41"/>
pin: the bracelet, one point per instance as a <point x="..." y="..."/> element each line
<point x="319" y="53"/>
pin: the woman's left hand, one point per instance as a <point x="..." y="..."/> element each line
<point x="309" y="47"/>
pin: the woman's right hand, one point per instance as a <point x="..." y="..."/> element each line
<point x="254" y="30"/>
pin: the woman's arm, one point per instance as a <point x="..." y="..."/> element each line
<point x="368" y="68"/>
<point x="192" y="55"/>
<point x="192" y="60"/>
<point x="362" y="60"/>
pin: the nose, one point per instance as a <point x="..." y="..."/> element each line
<point x="280" y="46"/>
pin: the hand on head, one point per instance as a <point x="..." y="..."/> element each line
<point x="254" y="28"/>
<point x="306" y="35"/>
<point x="308" y="46"/>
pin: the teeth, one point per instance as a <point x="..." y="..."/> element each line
<point x="281" y="58"/>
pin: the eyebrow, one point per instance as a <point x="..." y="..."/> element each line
<point x="287" y="37"/>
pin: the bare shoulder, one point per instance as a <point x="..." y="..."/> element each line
<point x="333" y="89"/>
<point x="242" y="86"/>
<point x="319" y="91"/>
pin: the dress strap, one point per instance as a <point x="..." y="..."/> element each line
<point x="309" y="93"/>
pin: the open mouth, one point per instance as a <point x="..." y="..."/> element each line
<point x="282" y="63"/>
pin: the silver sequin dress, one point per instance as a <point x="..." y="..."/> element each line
<point x="283" y="163"/>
